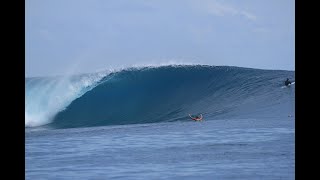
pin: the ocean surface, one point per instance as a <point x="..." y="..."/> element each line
<point x="134" y="123"/>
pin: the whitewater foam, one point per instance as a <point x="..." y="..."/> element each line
<point x="45" y="97"/>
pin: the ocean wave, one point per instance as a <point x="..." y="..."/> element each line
<point x="152" y="94"/>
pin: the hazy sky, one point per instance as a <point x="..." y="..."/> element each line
<point x="71" y="36"/>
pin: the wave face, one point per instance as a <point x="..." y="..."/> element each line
<point x="158" y="94"/>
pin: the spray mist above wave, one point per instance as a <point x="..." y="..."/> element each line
<point x="46" y="96"/>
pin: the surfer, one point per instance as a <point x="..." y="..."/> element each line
<point x="287" y="82"/>
<point x="196" y="118"/>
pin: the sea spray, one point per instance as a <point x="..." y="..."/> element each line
<point x="45" y="97"/>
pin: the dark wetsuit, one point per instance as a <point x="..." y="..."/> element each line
<point x="287" y="82"/>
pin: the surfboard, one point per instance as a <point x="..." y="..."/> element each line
<point x="288" y="85"/>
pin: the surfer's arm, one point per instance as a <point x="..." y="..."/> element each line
<point x="192" y="117"/>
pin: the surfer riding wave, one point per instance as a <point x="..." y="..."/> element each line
<point x="287" y="82"/>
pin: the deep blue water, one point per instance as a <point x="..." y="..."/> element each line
<point x="133" y="124"/>
<point x="212" y="149"/>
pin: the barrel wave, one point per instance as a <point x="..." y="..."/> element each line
<point x="158" y="94"/>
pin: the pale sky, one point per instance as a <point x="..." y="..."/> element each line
<point x="74" y="36"/>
